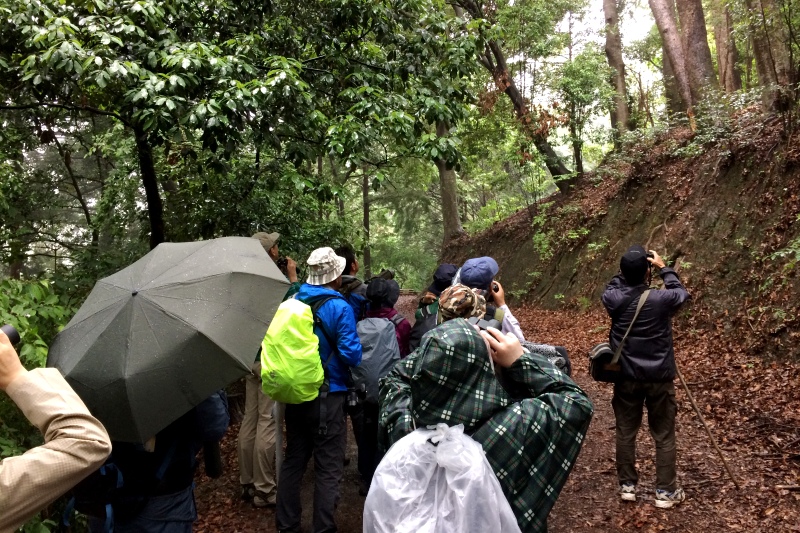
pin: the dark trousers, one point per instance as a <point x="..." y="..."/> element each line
<point x="629" y="398"/>
<point x="303" y="440"/>
<point x="368" y="443"/>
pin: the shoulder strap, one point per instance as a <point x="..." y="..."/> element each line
<point x="396" y="319"/>
<point x="315" y="305"/>
<point x="642" y="299"/>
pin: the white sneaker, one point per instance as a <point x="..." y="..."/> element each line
<point x="667" y="500"/>
<point x="627" y="492"/>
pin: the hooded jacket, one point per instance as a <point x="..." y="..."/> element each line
<point x="531" y="439"/>
<point x="340" y="326"/>
<point x="647" y="354"/>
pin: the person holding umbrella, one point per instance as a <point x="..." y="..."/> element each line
<point x="148" y="352"/>
<point x="318" y="427"/>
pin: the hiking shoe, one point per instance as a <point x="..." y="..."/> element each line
<point x="248" y="491"/>
<point x="627" y="492"/>
<point x="261" y="500"/>
<point x="667" y="500"/>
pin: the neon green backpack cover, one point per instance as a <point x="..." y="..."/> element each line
<point x="291" y="368"/>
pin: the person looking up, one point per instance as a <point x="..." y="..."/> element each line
<point x="648" y="369"/>
<point x="479" y="273"/>
<point x="257" y="432"/>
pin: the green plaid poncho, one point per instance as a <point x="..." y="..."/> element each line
<point x="531" y="439"/>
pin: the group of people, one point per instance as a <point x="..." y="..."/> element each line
<point x="464" y="361"/>
<point x="513" y="385"/>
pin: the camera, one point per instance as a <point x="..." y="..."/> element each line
<point x="650" y="254"/>
<point x="11" y="332"/>
<point x="356" y="395"/>
<point x="483" y="323"/>
<point x="282" y="263"/>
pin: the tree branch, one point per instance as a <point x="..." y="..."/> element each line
<point x="68" y="107"/>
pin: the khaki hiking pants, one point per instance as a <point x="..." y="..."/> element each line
<point x="256" y="441"/>
<point x="629" y="399"/>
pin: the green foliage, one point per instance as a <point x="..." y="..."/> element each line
<point x="35" y="310"/>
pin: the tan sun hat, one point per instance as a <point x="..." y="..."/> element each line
<point x="267" y="240"/>
<point x="324" y="266"/>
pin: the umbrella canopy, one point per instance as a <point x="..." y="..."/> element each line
<point x="158" y="337"/>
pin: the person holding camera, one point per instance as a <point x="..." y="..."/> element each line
<point x="75" y="443"/>
<point x="529" y="417"/>
<point x="256" y="439"/>
<point x="318" y="427"/>
<point x="478" y="273"/>
<point x="648" y="369"/>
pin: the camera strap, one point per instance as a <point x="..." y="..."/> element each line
<point x="639" y="306"/>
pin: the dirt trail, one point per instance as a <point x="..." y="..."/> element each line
<point x="588" y="501"/>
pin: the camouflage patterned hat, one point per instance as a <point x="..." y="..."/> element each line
<point x="459" y="301"/>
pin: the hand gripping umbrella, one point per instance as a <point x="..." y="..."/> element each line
<point x="160" y="336"/>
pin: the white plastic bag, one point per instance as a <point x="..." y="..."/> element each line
<point x="437" y="481"/>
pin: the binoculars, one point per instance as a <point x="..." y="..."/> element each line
<point x="11" y="332"/>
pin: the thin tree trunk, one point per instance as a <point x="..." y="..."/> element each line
<point x="699" y="65"/>
<point x="366" y="252"/>
<point x="449" y="193"/>
<point x="66" y="156"/>
<point x="493" y="59"/>
<point x="771" y="52"/>
<point x="620" y="114"/>
<point x="155" y="209"/>
<point x="727" y="55"/>
<point x="577" y="151"/>
<point x="668" y="28"/>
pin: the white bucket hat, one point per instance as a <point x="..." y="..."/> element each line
<point x="324" y="266"/>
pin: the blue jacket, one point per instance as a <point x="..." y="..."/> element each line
<point x="340" y="325"/>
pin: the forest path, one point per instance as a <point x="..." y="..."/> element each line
<point x="725" y="387"/>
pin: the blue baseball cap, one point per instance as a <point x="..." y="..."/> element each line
<point x="478" y="273"/>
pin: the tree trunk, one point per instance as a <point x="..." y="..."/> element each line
<point x="699" y="65"/>
<point x="577" y="150"/>
<point x="672" y="93"/>
<point x="449" y="194"/>
<point x="620" y="114"/>
<point x="366" y="252"/>
<point x="727" y="55"/>
<point x="155" y="209"/>
<point x="668" y="29"/>
<point x="772" y="53"/>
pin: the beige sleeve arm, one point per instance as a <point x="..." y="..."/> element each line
<point x="76" y="444"/>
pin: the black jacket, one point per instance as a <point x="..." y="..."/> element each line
<point x="647" y="354"/>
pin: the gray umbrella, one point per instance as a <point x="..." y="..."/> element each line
<point x="158" y="337"/>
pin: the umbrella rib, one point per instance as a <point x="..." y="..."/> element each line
<point x="112" y="301"/>
<point x="177" y="266"/>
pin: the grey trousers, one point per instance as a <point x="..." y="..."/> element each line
<point x="302" y="441"/>
<point x="659" y="397"/>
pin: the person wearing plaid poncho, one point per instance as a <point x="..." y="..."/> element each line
<point x="531" y="439"/>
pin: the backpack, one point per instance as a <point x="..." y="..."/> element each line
<point x="380" y="351"/>
<point x="357" y="301"/>
<point x="101" y="494"/>
<point x="424" y="321"/>
<point x="291" y="367"/>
